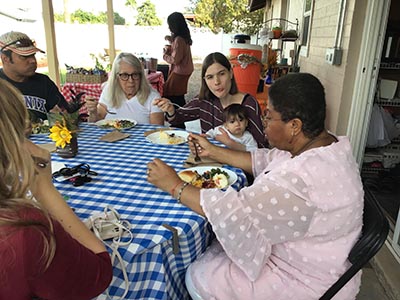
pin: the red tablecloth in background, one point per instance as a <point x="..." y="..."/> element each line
<point x="156" y="79"/>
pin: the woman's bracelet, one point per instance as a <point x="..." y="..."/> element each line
<point x="180" y="191"/>
<point x="170" y="116"/>
<point x="173" y="189"/>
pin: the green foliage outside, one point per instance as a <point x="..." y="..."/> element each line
<point x="84" y="17"/>
<point x="131" y="3"/>
<point x="227" y="15"/>
<point x="147" y="15"/>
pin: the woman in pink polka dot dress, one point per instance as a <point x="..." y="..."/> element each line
<point x="288" y="235"/>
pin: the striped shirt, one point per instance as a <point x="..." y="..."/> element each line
<point x="211" y="114"/>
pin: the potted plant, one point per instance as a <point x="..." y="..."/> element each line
<point x="277" y="31"/>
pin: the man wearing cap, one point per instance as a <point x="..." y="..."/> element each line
<point x="41" y="94"/>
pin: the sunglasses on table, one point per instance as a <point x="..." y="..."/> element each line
<point x="125" y="76"/>
<point x="78" y="175"/>
<point x="21" y="43"/>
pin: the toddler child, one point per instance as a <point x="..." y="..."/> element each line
<point x="233" y="132"/>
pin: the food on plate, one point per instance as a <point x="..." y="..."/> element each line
<point x="220" y="180"/>
<point x="170" y="138"/>
<point x="118" y="124"/>
<point x="214" y="178"/>
<point x="188" y="176"/>
<point x="40" y="127"/>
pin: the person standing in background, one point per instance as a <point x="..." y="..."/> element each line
<point x="179" y="56"/>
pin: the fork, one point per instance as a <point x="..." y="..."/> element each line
<point x="110" y="112"/>
<point x="196" y="157"/>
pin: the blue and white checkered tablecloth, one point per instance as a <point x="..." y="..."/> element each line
<point x="154" y="271"/>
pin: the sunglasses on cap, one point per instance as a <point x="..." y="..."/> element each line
<point x="21" y="43"/>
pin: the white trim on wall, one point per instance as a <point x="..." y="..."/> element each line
<point x="306" y="14"/>
<point x="366" y="76"/>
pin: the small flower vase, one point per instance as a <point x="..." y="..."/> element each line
<point x="70" y="150"/>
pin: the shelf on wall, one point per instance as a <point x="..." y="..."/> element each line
<point x="390" y="66"/>
<point x="395" y="102"/>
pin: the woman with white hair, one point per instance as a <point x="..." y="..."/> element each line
<point x="127" y="94"/>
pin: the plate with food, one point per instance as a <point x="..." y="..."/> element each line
<point x="168" y="137"/>
<point x="116" y="123"/>
<point x="208" y="177"/>
<point x="40" y="128"/>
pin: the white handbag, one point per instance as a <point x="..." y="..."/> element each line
<point x="108" y="225"/>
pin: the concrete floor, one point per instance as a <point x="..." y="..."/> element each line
<point x="371" y="289"/>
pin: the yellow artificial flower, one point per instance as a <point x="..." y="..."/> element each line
<point x="60" y="134"/>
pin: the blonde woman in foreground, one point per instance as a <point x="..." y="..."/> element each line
<point x="46" y="252"/>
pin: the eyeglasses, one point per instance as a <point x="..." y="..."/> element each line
<point x="266" y="117"/>
<point x="269" y="119"/>
<point x="125" y="76"/>
<point x="21" y="43"/>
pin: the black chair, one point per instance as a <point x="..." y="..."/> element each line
<point x="374" y="233"/>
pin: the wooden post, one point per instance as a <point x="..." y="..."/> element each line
<point x="51" y="47"/>
<point x="111" y="35"/>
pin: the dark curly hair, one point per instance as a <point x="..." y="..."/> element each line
<point x="302" y="96"/>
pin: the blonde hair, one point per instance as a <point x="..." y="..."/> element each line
<point x="17" y="170"/>
<point x="115" y="94"/>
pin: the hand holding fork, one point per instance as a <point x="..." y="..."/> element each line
<point x="166" y="106"/>
<point x="91" y="104"/>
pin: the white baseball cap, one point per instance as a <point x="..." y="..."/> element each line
<point x="18" y="43"/>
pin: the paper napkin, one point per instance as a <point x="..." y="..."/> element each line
<point x="114" y="136"/>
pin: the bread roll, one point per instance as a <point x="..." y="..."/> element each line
<point x="188" y="176"/>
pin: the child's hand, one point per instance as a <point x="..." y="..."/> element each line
<point x="223" y="137"/>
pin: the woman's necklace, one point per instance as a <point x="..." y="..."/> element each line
<point x="311" y="142"/>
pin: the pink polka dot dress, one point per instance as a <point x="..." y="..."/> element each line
<point x="288" y="235"/>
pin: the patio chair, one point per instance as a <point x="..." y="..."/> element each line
<point x="374" y="233"/>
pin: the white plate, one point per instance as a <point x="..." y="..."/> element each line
<point x="104" y="122"/>
<point x="232" y="175"/>
<point x="156" y="139"/>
